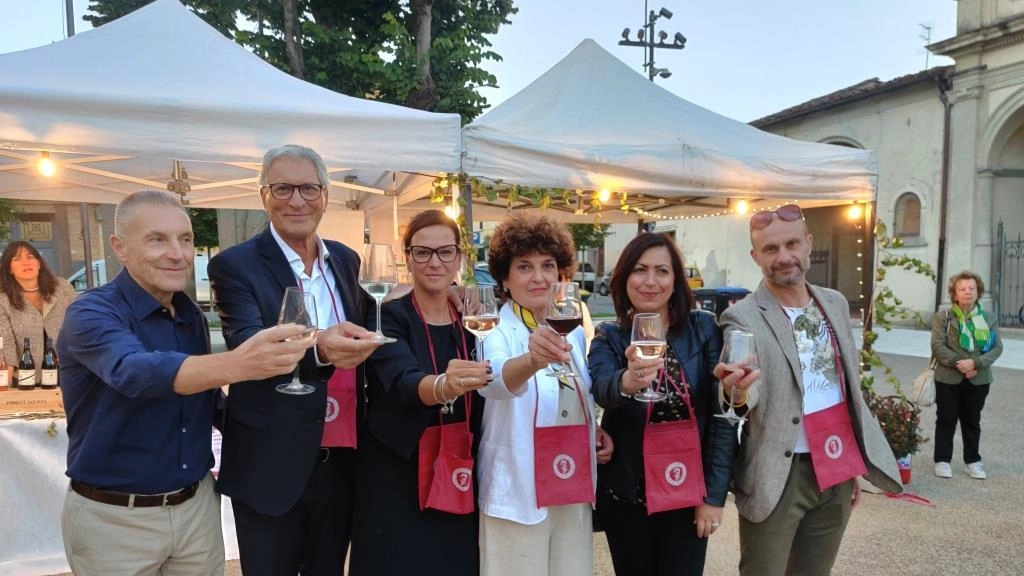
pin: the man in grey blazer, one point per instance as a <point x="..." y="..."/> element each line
<point x="795" y="486"/>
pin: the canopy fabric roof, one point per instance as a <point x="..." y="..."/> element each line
<point x="592" y="122"/>
<point x="116" y="105"/>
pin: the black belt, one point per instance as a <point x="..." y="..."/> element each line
<point x="135" y="500"/>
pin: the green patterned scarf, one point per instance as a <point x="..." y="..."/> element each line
<point x="974" y="330"/>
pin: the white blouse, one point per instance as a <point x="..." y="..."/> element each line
<point x="505" y="457"/>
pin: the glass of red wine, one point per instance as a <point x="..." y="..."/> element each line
<point x="738" y="355"/>
<point x="563" y="314"/>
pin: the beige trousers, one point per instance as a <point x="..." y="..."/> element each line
<point x="107" y="540"/>
<point x="561" y="545"/>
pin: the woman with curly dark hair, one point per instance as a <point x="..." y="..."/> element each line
<point x="535" y="504"/>
<point x="32" y="304"/>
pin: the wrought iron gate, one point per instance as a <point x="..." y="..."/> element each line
<point x="1008" y="290"/>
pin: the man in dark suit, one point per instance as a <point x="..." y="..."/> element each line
<point x="287" y="460"/>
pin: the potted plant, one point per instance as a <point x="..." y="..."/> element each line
<point x="900" y="420"/>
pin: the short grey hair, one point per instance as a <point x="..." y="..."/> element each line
<point x="126" y="208"/>
<point x="294" y="151"/>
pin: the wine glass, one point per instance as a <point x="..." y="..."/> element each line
<point x="738" y="352"/>
<point x="649" y="339"/>
<point x="481" y="315"/>
<point x="378" y="274"/>
<point x="298" y="307"/>
<point x="563" y="314"/>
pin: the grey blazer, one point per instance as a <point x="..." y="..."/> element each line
<point x="947" y="351"/>
<point x="776" y="402"/>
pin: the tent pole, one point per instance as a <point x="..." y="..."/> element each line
<point x="69" y="15"/>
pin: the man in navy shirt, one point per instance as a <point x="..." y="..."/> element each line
<point x="140" y="387"/>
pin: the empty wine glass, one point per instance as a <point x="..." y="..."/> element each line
<point x="481" y="315"/>
<point x="563" y="314"/>
<point x="378" y="274"/>
<point x="649" y="338"/>
<point x="298" y="307"/>
<point x="739" y="354"/>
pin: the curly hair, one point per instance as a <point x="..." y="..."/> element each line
<point x="524" y="234"/>
<point x="681" y="301"/>
<point x="10" y="286"/>
<point x="964" y="275"/>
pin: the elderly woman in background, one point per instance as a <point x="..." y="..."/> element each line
<point x="535" y="503"/>
<point x="32" y="304"/>
<point x="411" y="508"/>
<point x="664" y="532"/>
<point x="964" y="344"/>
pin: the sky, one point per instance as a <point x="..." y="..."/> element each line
<point x="743" y="58"/>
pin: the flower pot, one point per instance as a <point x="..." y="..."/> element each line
<point x="903" y="463"/>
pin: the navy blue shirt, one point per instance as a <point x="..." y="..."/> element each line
<point x="120" y="351"/>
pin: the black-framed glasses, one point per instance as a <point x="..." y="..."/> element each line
<point x="787" y="213"/>
<point x="284" y="191"/>
<point x="423" y="254"/>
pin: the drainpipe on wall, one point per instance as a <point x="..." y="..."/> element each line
<point x="944" y="84"/>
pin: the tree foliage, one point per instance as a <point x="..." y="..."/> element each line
<point x="363" y="48"/>
<point x="204" y="227"/>
<point x="589" y="235"/>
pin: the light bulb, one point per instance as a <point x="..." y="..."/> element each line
<point x="604" y="195"/>
<point x="46" y="166"/>
<point x="854" y="212"/>
<point x="742" y="207"/>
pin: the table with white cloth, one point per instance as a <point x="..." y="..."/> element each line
<point x="33" y="458"/>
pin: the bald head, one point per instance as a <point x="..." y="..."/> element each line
<point x="125" y="213"/>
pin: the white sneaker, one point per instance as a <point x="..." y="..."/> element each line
<point x="975" y="470"/>
<point x="944" y="470"/>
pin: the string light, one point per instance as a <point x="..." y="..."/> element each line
<point x="724" y="212"/>
<point x="46" y="166"/>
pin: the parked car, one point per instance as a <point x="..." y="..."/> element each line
<point x="484" y="278"/>
<point x="99" y="277"/>
<point x="693" y="278"/>
<point x="585" y="275"/>
<point x="604" y="284"/>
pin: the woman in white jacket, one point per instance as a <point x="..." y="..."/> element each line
<point x="534" y="515"/>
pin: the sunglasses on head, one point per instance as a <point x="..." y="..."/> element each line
<point x="787" y="213"/>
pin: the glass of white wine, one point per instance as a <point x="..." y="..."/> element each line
<point x="481" y="315"/>
<point x="298" y="307"/>
<point x="649" y="338"/>
<point x="378" y="274"/>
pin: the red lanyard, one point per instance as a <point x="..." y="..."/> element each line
<point x="430" y="341"/>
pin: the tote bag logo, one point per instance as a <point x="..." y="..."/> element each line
<point x="333" y="409"/>
<point x="564" y="466"/>
<point x="675" y="474"/>
<point x="834" y="447"/>
<point x="462" y="478"/>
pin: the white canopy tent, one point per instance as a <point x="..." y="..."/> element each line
<point x="115" y="106"/>
<point x="592" y="122"/>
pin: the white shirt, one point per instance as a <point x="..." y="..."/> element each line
<point x="321" y="283"/>
<point x="505" y="458"/>
<point x="817" y="361"/>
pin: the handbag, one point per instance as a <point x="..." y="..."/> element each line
<point x="924" y="386"/>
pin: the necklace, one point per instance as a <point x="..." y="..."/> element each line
<point x="36" y="289"/>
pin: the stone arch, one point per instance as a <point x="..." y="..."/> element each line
<point x="841" y="141"/>
<point x="1002" y="124"/>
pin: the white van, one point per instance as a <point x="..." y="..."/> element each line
<point x="99" y="277"/>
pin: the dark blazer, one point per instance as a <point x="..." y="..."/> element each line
<point x="697" y="344"/>
<point x="395" y="415"/>
<point x="271" y="440"/>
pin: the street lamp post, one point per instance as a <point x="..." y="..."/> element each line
<point x="646" y="39"/>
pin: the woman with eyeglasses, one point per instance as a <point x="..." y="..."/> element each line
<point x="32" y="303"/>
<point x="539" y="443"/>
<point x="667" y="531"/>
<point x="415" y="510"/>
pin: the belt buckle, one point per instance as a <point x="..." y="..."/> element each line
<point x="164" y="504"/>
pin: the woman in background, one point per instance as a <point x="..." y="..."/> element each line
<point x="965" y="344"/>
<point x="32" y="302"/>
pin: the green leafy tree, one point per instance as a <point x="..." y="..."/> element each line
<point x="8" y="217"/>
<point x="589" y="235"/>
<point x="204" y="227"/>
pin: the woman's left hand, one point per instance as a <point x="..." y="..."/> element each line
<point x="707" y="518"/>
<point x="966" y="365"/>
<point x="605" y="446"/>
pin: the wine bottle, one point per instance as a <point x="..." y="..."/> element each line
<point x="5" y="377"/>
<point x="48" y="380"/>
<point x="26" y="368"/>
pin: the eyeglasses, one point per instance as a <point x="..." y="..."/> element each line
<point x="787" y="213"/>
<point x="422" y="254"/>
<point x="283" y="191"/>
